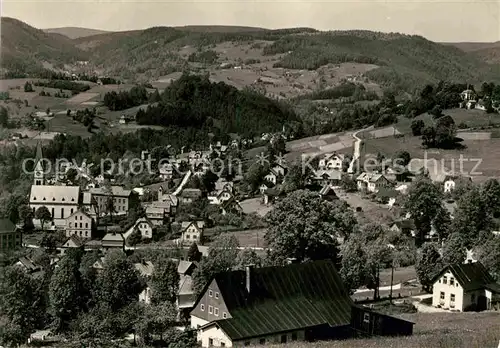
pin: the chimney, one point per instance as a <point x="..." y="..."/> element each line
<point x="248" y="272"/>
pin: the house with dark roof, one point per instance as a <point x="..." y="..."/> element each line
<point x="10" y="235"/>
<point x="73" y="242"/>
<point x="272" y="305"/>
<point x="27" y="265"/>
<point x="231" y="206"/>
<point x="465" y="287"/>
<point x="327" y="192"/>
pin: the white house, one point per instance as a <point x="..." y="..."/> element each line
<point x="144" y="225"/>
<point x="79" y="224"/>
<point x="192" y="231"/>
<point x="219" y="197"/>
<point x="100" y="196"/>
<point x="331" y="161"/>
<point x="372" y="182"/>
<point x="463" y="287"/>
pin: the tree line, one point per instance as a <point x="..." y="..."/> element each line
<point x="90" y="307"/>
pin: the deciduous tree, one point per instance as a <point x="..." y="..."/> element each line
<point x="305" y="227"/>
<point x="64" y="293"/>
<point x="43" y="214"/>
<point x="164" y="281"/>
<point x="471" y="217"/>
<point x="429" y="264"/>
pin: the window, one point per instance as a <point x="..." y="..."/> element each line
<point x="452" y="281"/>
<point x="445" y="280"/>
<point x="187" y="237"/>
<point x="294" y="336"/>
<point x="452" y="297"/>
<point x="76" y="218"/>
<point x="210" y="309"/>
<point x="86" y="233"/>
<point x="216" y="312"/>
<point x="222" y="344"/>
<point x="262" y="341"/>
<point x="202" y="307"/>
<point x="71" y="211"/>
<point x="210" y="341"/>
<point x="441" y="295"/>
<point x="62" y="213"/>
<point x="216" y="295"/>
<point x="80" y="225"/>
<point x="283" y="338"/>
<point x="366" y="318"/>
<point x="52" y="212"/>
<point x="70" y="224"/>
<point x="86" y="225"/>
<point x="224" y="315"/>
<point x="210" y="293"/>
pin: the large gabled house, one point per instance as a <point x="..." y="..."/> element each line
<point x="464" y="287"/>
<point x="372" y="182"/>
<point x="272" y="305"/>
<point x="332" y="161"/>
<point x="192" y="232"/>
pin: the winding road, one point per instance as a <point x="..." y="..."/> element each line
<point x="357" y="149"/>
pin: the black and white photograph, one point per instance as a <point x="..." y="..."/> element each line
<point x="248" y="173"/>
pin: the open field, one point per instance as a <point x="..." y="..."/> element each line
<point x="485" y="154"/>
<point x="472" y="118"/>
<point x="253" y="205"/>
<point x="431" y="330"/>
<point x="371" y="211"/>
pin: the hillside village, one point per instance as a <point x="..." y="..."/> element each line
<point x="206" y="211"/>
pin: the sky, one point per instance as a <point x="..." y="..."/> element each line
<point x="437" y="20"/>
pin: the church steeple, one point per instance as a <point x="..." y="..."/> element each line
<point x="39" y="177"/>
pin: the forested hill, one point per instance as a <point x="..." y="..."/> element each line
<point x="24" y="48"/>
<point x="406" y="62"/>
<point x="194" y="101"/>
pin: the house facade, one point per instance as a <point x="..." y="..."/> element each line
<point x="219" y="197"/>
<point x="10" y="235"/>
<point x="191" y="232"/>
<point x="79" y="224"/>
<point x="264" y="305"/>
<point x="464" y="287"/>
<point x="100" y="196"/>
<point x="332" y="161"/>
<point x="144" y="225"/>
<point x="372" y="182"/>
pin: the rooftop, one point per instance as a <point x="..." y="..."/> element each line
<point x="54" y="194"/>
<point x="282" y="299"/>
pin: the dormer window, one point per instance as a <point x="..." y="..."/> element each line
<point x="72" y="199"/>
<point x="34" y="198"/>
<point x="63" y="199"/>
<point x="53" y="199"/>
<point x="43" y="198"/>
